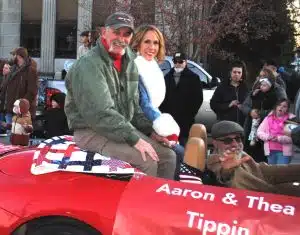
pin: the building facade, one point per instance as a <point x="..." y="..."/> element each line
<point x="49" y="29"/>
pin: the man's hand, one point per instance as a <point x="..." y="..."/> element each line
<point x="161" y="139"/>
<point x="146" y="148"/>
<point x="233" y="103"/>
<point x="230" y="161"/>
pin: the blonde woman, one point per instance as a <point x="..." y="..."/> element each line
<point x="149" y="44"/>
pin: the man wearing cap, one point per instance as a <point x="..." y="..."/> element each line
<point x="21" y="82"/>
<point x="236" y="169"/>
<point x="184" y="95"/>
<point x="102" y="103"/>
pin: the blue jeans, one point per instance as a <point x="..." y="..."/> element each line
<point x="276" y="157"/>
<point x="6" y="118"/>
<point x="179" y="150"/>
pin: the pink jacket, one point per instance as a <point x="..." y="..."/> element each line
<point x="264" y="134"/>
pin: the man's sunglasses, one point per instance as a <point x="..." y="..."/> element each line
<point x="229" y="140"/>
<point x="178" y="61"/>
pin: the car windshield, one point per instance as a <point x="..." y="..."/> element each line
<point x="197" y="71"/>
<point x="166" y="67"/>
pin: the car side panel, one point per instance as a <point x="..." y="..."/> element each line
<point x="91" y="199"/>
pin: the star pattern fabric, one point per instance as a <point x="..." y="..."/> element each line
<point x="61" y="154"/>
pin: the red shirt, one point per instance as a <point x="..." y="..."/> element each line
<point x="117" y="58"/>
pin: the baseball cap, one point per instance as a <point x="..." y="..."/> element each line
<point x="120" y="19"/>
<point x="179" y="56"/>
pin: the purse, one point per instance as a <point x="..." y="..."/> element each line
<point x="17" y="139"/>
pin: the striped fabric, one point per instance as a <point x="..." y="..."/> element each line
<point x="190" y="174"/>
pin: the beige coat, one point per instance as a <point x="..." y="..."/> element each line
<point x="258" y="176"/>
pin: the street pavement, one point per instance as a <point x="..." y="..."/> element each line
<point x="5" y="140"/>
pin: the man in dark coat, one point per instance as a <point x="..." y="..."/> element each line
<point x="184" y="95"/>
<point x="229" y="96"/>
<point x="21" y="82"/>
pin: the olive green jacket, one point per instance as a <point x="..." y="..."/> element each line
<point x="101" y="99"/>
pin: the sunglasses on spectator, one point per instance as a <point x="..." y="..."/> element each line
<point x="178" y="61"/>
<point x="229" y="140"/>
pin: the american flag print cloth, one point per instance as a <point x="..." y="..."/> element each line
<point x="60" y="153"/>
<point x="190" y="174"/>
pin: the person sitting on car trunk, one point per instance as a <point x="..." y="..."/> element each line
<point x="184" y="95"/>
<point x="227" y="99"/>
<point x="102" y="103"/>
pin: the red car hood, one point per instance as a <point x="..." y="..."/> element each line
<point x="89" y="198"/>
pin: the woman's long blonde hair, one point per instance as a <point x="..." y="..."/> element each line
<point x="139" y="35"/>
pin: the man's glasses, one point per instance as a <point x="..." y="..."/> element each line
<point x="229" y="140"/>
<point x="178" y="61"/>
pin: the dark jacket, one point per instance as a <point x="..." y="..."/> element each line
<point x="20" y="83"/>
<point x="296" y="136"/>
<point x="183" y="100"/>
<point x="56" y="123"/>
<point x="223" y="95"/>
<point x="264" y="102"/>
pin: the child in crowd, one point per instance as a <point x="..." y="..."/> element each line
<point x="21" y="125"/>
<point x="55" y="118"/>
<point x="277" y="145"/>
<point x="263" y="100"/>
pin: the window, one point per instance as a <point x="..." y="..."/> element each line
<point x="66" y="29"/>
<point x="197" y="71"/>
<point x="31" y="26"/>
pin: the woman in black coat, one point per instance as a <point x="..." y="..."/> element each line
<point x="264" y="102"/>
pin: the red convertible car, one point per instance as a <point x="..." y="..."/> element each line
<point x="60" y="202"/>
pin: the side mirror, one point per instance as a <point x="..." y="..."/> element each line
<point x="215" y="81"/>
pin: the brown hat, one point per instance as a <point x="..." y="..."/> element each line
<point x="21" y="51"/>
<point x="224" y="128"/>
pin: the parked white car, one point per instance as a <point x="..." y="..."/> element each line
<point x="205" y="114"/>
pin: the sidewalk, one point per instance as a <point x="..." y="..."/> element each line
<point x="5" y="140"/>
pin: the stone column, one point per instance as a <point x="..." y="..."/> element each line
<point x="84" y="20"/>
<point x="10" y="26"/>
<point x="48" y="37"/>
